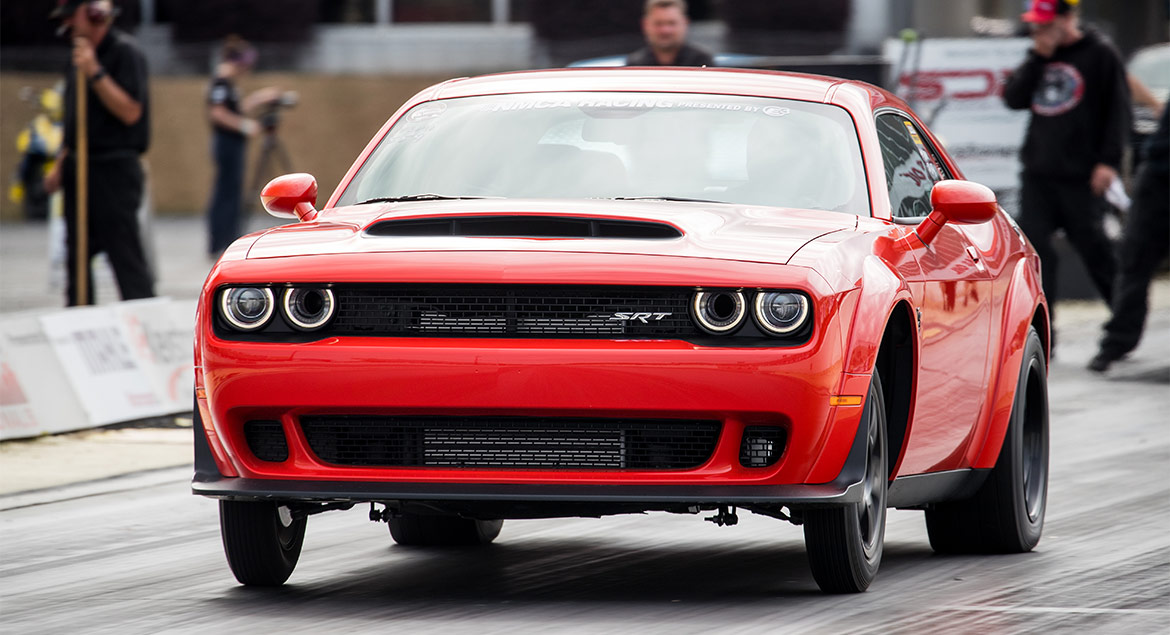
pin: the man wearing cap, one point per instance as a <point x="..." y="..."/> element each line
<point x="1073" y="80"/>
<point x="118" y="132"/>
<point x="664" y="24"/>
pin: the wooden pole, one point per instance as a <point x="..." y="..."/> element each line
<point x="82" y="197"/>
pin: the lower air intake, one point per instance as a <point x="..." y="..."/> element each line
<point x="511" y="442"/>
<point x="762" y="446"/>
<point x="266" y="440"/>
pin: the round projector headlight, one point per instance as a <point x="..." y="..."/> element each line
<point x="308" y="308"/>
<point x="781" y="312"/>
<point x="246" y="308"/>
<point x="719" y="312"/>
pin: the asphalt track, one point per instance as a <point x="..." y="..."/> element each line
<point x="147" y="558"/>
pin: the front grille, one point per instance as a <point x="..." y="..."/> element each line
<point x="511" y="442"/>
<point x="266" y="440"/>
<point x="512" y="311"/>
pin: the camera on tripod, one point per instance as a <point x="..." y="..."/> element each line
<point x="270" y="114"/>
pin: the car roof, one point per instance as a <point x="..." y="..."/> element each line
<point x="760" y="83"/>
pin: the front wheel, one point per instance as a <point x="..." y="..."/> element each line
<point x="262" y="541"/>
<point x="1006" y="515"/>
<point x="845" y="544"/>
<point x="417" y="530"/>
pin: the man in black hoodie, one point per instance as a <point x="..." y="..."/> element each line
<point x="1073" y="80"/>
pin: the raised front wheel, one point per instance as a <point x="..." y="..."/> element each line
<point x="845" y="543"/>
<point x="262" y="541"/>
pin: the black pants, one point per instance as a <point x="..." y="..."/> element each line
<point x="1144" y="246"/>
<point x="223" y="214"/>
<point x="115" y="192"/>
<point x="1047" y="205"/>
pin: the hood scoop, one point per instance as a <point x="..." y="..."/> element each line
<point x="524" y="226"/>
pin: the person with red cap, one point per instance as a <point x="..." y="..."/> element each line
<point x="1074" y="82"/>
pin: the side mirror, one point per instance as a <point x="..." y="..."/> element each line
<point x="291" y="196"/>
<point x="957" y="202"/>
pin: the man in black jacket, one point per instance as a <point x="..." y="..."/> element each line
<point x="118" y="127"/>
<point x="1144" y="247"/>
<point x="1073" y="80"/>
<point x="664" y="23"/>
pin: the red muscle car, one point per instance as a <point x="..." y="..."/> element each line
<point x="587" y="292"/>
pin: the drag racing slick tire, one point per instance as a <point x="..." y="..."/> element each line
<point x="262" y="541"/>
<point x="1006" y="514"/>
<point x="418" y="530"/>
<point x="845" y="544"/>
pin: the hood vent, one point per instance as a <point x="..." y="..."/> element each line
<point x="526" y="226"/>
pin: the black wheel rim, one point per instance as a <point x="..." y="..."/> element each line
<point x="871" y="511"/>
<point x="1034" y="442"/>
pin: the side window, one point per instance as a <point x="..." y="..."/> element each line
<point x="911" y="167"/>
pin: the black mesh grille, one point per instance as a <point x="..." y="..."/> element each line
<point x="762" y="446"/>
<point x="511" y="442"/>
<point x="266" y="440"/>
<point x="512" y="311"/>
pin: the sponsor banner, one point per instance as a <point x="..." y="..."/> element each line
<point x="126" y="361"/>
<point x="35" y="396"/>
<point x="956" y="88"/>
<point x="160" y="340"/>
<point x="96" y="348"/>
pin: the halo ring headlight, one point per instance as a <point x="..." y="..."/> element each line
<point x="719" y="312"/>
<point x="308" y="308"/>
<point x="780" y="312"/>
<point x="246" y="308"/>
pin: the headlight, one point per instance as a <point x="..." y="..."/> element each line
<point x="308" y="308"/>
<point x="246" y="308"/>
<point x="780" y="312"/>
<point x="719" y="312"/>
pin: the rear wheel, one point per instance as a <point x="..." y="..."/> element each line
<point x="262" y="541"/>
<point x="416" y="530"/>
<point x="1006" y="515"/>
<point x="845" y="543"/>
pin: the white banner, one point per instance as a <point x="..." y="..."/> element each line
<point x="956" y="87"/>
<point x="35" y="396"/>
<point x="160" y="336"/>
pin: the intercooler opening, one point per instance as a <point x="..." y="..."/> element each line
<point x="511" y="442"/>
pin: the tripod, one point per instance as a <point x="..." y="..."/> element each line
<point x="273" y="159"/>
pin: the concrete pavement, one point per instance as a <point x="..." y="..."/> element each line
<point x="48" y="468"/>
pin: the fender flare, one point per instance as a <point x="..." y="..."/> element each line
<point x="880" y="293"/>
<point x="1023" y="302"/>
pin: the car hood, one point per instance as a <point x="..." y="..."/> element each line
<point x="704" y="230"/>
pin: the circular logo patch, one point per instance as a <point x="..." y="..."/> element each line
<point x="1060" y="90"/>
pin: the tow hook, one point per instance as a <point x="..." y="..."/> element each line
<point x="724" y="518"/>
<point x="380" y="516"/>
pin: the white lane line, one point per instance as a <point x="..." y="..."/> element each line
<point x="1051" y="609"/>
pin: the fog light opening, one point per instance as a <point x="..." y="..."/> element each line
<point x="762" y="446"/>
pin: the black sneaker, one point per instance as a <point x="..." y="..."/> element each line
<point x="1101" y="362"/>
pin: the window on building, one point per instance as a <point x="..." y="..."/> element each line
<point x="442" y="11"/>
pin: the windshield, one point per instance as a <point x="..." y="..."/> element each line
<point x="743" y="150"/>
